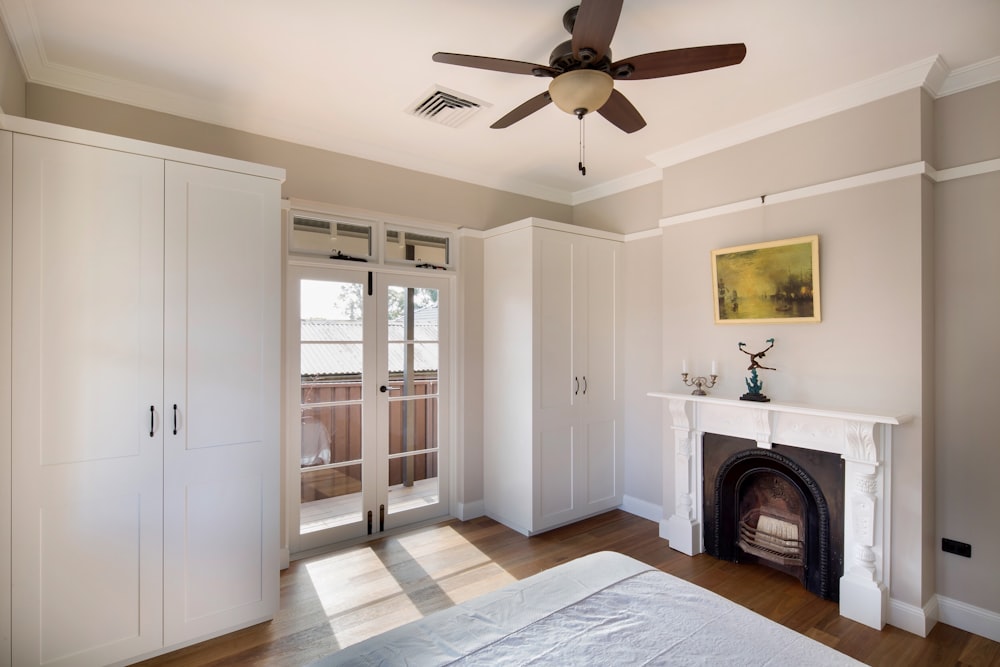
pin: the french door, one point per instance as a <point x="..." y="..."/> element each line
<point x="369" y="391"/>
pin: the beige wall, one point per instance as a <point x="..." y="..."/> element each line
<point x="12" y="84"/>
<point x="966" y="245"/>
<point x="845" y="144"/>
<point x="643" y="367"/>
<point x="868" y="353"/>
<point x="635" y="210"/>
<point x="469" y="485"/>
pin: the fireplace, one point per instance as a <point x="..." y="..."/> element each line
<point x="857" y="571"/>
<point x="780" y="507"/>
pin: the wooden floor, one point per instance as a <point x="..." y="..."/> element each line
<point x="334" y="600"/>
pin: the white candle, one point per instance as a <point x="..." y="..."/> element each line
<point x="684" y="366"/>
<point x="714" y="368"/>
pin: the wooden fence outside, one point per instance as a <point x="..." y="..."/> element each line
<point x="344" y="426"/>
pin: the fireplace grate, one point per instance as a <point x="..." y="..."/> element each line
<point x="772" y="538"/>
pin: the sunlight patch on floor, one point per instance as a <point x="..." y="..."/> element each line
<point x="400" y="579"/>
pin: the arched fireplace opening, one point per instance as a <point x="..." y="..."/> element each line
<point x="764" y="507"/>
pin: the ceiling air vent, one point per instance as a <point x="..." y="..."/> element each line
<point x="446" y="107"/>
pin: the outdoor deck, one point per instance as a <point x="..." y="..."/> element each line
<point x="340" y="510"/>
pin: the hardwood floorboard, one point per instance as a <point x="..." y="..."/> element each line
<point x="333" y="600"/>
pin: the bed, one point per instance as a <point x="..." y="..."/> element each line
<point x="602" y="609"/>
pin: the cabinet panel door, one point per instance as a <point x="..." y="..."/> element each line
<point x="599" y="289"/>
<point x="554" y="259"/>
<point x="221" y="462"/>
<point x="555" y="467"/>
<point x="603" y="467"/>
<point x="87" y="418"/>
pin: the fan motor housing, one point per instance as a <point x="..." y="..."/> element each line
<point x="562" y="58"/>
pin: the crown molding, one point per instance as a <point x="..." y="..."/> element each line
<point x="618" y="185"/>
<point x="646" y="234"/>
<point x="969" y="77"/>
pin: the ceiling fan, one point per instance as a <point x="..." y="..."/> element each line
<point x="583" y="73"/>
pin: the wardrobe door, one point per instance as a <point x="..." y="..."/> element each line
<point x="86" y="422"/>
<point x="599" y="417"/>
<point x="222" y="351"/>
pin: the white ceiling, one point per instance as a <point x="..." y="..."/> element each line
<point x="341" y="75"/>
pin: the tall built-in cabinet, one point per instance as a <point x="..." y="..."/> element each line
<point x="141" y="376"/>
<point x="552" y="423"/>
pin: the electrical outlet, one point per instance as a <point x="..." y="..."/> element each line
<point x="956" y="547"/>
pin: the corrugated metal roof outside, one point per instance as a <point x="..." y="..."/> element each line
<point x="333" y="347"/>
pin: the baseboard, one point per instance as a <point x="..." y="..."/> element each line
<point x="963" y="616"/>
<point x="473" y="510"/>
<point x="643" y="508"/>
<point x="918" y="620"/>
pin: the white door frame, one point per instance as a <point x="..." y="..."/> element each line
<point x="299" y="269"/>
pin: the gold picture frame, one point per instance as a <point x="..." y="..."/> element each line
<point x="776" y="281"/>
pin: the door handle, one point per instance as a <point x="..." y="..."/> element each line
<point x="152" y="421"/>
<point x="584" y="385"/>
<point x="381" y="518"/>
<point x="576" y="386"/>
<point x="383" y="389"/>
<point x="175" y="419"/>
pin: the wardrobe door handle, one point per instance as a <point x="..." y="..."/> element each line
<point x="175" y="419"/>
<point x="152" y="421"/>
<point x="584" y="385"/>
<point x="576" y="386"/>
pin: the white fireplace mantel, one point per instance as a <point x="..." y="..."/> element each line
<point x="862" y="440"/>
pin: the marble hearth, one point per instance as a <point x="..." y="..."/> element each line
<point x="862" y="440"/>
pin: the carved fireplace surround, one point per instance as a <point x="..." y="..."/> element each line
<point x="862" y="440"/>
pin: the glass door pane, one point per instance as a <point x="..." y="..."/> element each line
<point x="413" y="342"/>
<point x="332" y="369"/>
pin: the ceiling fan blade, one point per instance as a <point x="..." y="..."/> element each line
<point x="495" y="64"/>
<point x="595" y="25"/>
<point x="524" y="110"/>
<point x="620" y="112"/>
<point x="678" y="61"/>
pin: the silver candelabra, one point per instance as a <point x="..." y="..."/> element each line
<point x="700" y="383"/>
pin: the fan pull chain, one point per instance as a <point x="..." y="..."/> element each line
<point x="581" y="166"/>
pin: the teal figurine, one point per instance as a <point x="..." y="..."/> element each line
<point x="754" y="384"/>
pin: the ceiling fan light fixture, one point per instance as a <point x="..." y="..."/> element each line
<point x="586" y="89"/>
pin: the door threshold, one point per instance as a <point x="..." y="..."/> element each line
<point x="337" y="546"/>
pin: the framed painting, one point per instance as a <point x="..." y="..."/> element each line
<point x="777" y="281"/>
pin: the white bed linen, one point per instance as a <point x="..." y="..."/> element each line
<point x="602" y="609"/>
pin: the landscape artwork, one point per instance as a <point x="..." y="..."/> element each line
<point x="777" y="281"/>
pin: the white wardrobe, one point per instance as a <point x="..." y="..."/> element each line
<point x="141" y="351"/>
<point x="552" y="423"/>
